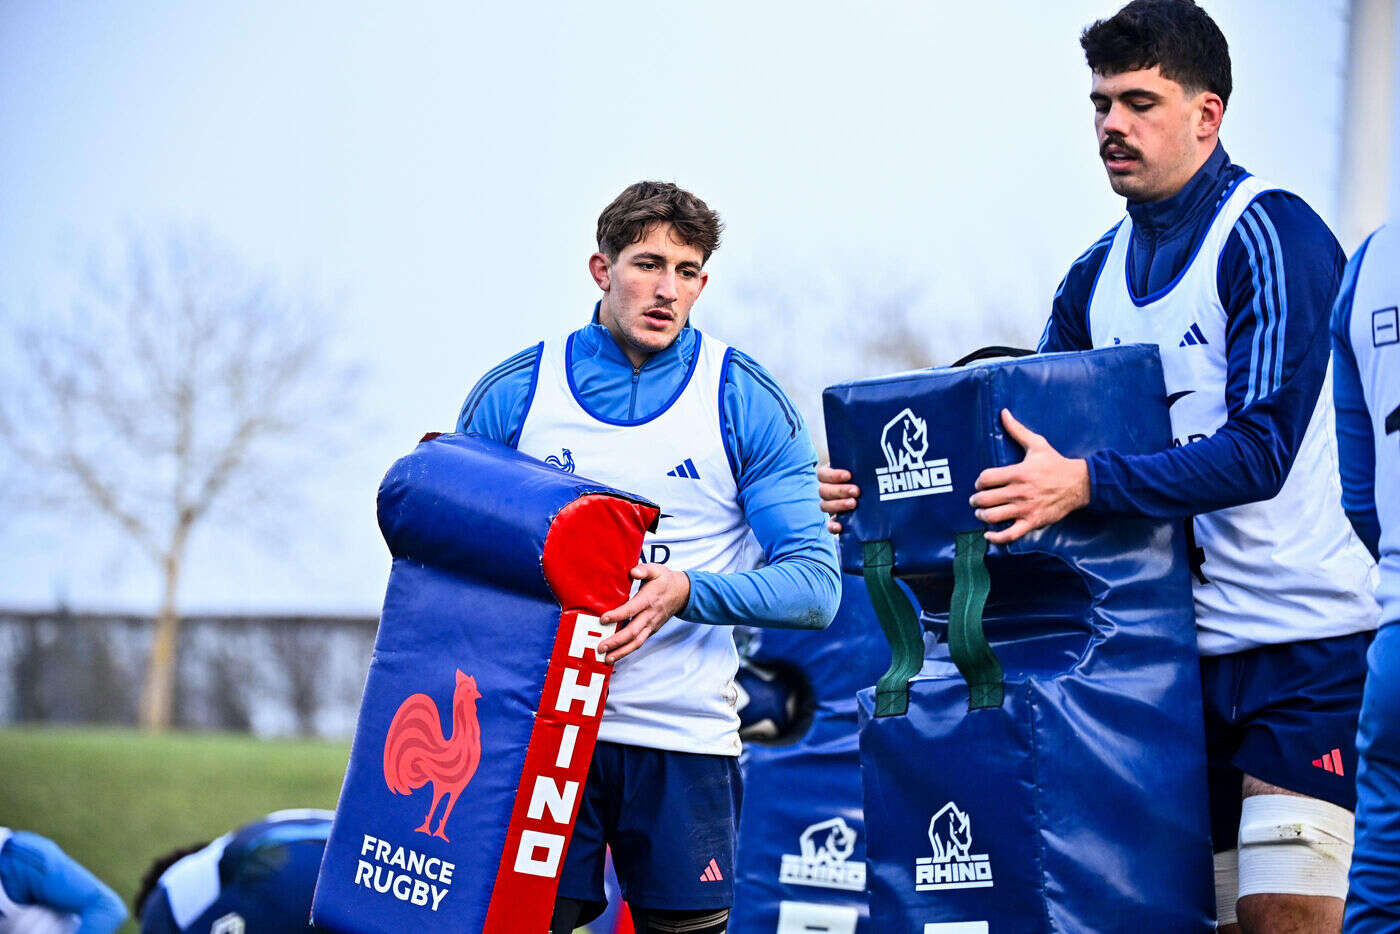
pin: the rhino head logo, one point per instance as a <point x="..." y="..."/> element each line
<point x="831" y="841"/>
<point x="905" y="441"/>
<point x="950" y="833"/>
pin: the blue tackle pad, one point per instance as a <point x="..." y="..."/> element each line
<point x="801" y="863"/>
<point x="481" y="709"/>
<point x="1041" y="766"/>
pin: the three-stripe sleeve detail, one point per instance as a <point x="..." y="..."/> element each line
<point x="750" y="367"/>
<point x="1105" y="242"/>
<point x="524" y="360"/>
<point x="1270" y="305"/>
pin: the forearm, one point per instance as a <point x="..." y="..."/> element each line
<point x="1238" y="464"/>
<point x="798" y="593"/>
<point x="103" y="915"/>
<point x="49" y="877"/>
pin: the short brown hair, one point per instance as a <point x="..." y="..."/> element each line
<point x="644" y="204"/>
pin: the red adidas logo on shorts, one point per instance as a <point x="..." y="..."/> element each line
<point x="1332" y="762"/>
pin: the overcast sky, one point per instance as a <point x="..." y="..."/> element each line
<point x="438" y="171"/>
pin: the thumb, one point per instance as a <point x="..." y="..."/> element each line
<point x="643" y="571"/>
<point x="1020" y="433"/>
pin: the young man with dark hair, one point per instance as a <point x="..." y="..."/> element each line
<point x="258" y="878"/>
<point x="1233" y="279"/>
<point x="643" y="401"/>
<point x="1366" y="349"/>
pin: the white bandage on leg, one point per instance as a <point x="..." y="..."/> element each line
<point x="1227" y="886"/>
<point x="1291" y="845"/>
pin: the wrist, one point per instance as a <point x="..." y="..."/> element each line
<point x="1084" y="487"/>
<point x="685" y="597"/>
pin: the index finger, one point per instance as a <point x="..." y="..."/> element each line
<point x="996" y="476"/>
<point x="628" y="610"/>
<point x="833" y="475"/>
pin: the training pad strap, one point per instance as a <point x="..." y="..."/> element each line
<point x="901" y="626"/>
<point x="967" y="643"/>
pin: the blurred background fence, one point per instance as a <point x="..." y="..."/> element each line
<point x="263" y="674"/>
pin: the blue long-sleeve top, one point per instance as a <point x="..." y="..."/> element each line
<point x="1356" y="445"/>
<point x="264" y="871"/>
<point x="35" y="871"/>
<point x="769" y="450"/>
<point x="1280" y="258"/>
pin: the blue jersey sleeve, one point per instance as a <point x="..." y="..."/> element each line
<point x="774" y="466"/>
<point x="1068" y="327"/>
<point x="157" y="917"/>
<point x="1277" y="278"/>
<point x="1356" y="445"/>
<point x="495" y="408"/>
<point x="34" y="871"/>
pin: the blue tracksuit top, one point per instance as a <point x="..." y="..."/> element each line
<point x="34" y="871"/>
<point x="1249" y="457"/>
<point x="1356" y="446"/>
<point x="769" y="450"/>
<point x="264" y="872"/>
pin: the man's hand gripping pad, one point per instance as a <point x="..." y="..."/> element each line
<point x="1041" y="766"/>
<point x="484" y="694"/>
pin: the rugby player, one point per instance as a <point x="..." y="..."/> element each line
<point x="1234" y="280"/>
<point x="44" y="891"/>
<point x="1366" y="350"/>
<point x="258" y="879"/>
<point x="640" y="399"/>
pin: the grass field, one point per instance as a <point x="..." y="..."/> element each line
<point x="114" y="799"/>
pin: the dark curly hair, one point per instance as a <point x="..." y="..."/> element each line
<point x="643" y="204"/>
<point x="156" y="870"/>
<point x="1176" y="35"/>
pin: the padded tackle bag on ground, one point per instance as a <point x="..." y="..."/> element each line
<point x="1045" y="771"/>
<point x="484" y="694"/>
<point x="801" y="860"/>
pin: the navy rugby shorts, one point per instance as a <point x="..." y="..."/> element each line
<point x="1287" y="715"/>
<point x="670" y="819"/>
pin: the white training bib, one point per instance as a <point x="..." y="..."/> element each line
<point x="1283" y="570"/>
<point x="30" y="919"/>
<point x="1375" y="342"/>
<point x="677" y="691"/>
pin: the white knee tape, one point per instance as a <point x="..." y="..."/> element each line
<point x="1291" y="845"/>
<point x="1227" y="886"/>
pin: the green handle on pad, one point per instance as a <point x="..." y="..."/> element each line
<point x="966" y="640"/>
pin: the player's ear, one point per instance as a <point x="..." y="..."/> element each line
<point x="1212" y="112"/>
<point x="601" y="268"/>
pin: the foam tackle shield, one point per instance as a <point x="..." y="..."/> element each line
<point x="484" y="694"/>
<point x="801" y="859"/>
<point x="1038" y="765"/>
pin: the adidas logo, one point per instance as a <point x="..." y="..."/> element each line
<point x="684" y="470"/>
<point x="1193" y="336"/>
<point x="1332" y="762"/>
<point x="712" y="873"/>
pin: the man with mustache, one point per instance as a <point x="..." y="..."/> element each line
<point x="641" y="400"/>
<point x="1233" y="279"/>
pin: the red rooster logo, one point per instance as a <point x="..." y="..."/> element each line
<point x="416" y="752"/>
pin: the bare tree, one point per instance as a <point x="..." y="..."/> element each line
<point x="177" y="386"/>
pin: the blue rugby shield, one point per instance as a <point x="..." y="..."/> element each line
<point x="1041" y="766"/>
<point x="484" y="693"/>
